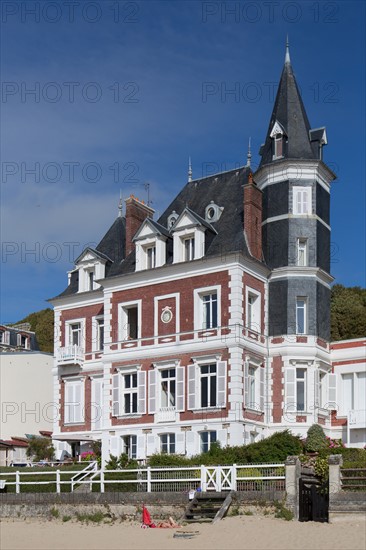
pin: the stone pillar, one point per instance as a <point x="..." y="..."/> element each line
<point x="292" y="473"/>
<point x="335" y="462"/>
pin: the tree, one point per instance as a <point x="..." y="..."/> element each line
<point x="348" y="312"/>
<point x="40" y="448"/>
<point x="41" y="323"/>
<point x="316" y="439"/>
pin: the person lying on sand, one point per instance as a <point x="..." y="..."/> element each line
<point x="169" y="524"/>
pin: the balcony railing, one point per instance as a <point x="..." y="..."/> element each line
<point x="357" y="418"/>
<point x="166" y="414"/>
<point x="70" y="355"/>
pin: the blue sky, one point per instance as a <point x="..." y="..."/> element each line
<point x="125" y="92"/>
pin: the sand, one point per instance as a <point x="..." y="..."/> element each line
<point x="232" y="533"/>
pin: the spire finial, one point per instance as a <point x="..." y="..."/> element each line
<point x="120" y="204"/>
<point x="287" y="55"/>
<point x="249" y="154"/>
<point x="189" y="169"/>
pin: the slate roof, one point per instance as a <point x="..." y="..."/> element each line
<point x="290" y="112"/>
<point x="223" y="236"/>
<point x="226" y="190"/>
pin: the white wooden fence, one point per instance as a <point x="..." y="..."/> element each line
<point x="248" y="477"/>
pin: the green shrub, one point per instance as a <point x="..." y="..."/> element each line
<point x="55" y="513"/>
<point x="316" y="439"/>
<point x="66" y="518"/>
<point x="282" y="512"/>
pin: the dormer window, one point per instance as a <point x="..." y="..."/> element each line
<point x="278" y="135"/>
<point x="189" y="235"/>
<point x="23" y="341"/>
<point x="213" y="212"/>
<point x="91" y="266"/>
<point x="150" y="243"/>
<point x="172" y="219"/>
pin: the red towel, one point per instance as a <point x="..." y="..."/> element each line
<point x="146" y="518"/>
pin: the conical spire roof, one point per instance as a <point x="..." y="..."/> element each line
<point x="289" y="112"/>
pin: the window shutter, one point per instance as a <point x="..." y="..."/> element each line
<point x="97" y="405"/>
<point x="141" y="447"/>
<point x="221" y="384"/>
<point x="151" y="445"/>
<point x="261" y="387"/>
<point x="192" y="403"/>
<point x="191" y="444"/>
<point x="7" y="337"/>
<point x="116" y="380"/>
<point x="141" y="385"/>
<point x="180" y="388"/>
<point x="316" y="388"/>
<point x="79" y="402"/>
<point x="19" y="339"/>
<point x="152" y="391"/>
<point x="222" y="437"/>
<point x="68" y="408"/>
<point x="290" y="394"/>
<point x="332" y="392"/>
<point x="114" y="447"/>
<point x="246" y="383"/>
<point x="180" y="443"/>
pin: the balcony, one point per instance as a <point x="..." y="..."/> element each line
<point x="357" y="418"/>
<point x="166" y="414"/>
<point x="67" y="355"/>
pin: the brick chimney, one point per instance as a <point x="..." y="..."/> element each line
<point x="253" y="217"/>
<point x="136" y="212"/>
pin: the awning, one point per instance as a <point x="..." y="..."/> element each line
<point x="75" y="437"/>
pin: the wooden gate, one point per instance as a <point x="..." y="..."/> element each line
<point x="313" y="500"/>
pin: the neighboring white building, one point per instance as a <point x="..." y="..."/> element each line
<point x="26" y="393"/>
<point x="349" y="365"/>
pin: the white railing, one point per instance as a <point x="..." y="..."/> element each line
<point x="84" y="474"/>
<point x="166" y="414"/>
<point x="248" y="477"/>
<point x="70" y="354"/>
<point x="357" y="418"/>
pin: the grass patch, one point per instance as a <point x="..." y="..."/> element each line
<point x="55" y="513"/>
<point x="97" y="517"/>
<point x="66" y="518"/>
<point x="282" y="512"/>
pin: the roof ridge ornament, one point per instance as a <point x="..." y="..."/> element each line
<point x="249" y="154"/>
<point x="287" y="55"/>
<point x="189" y="170"/>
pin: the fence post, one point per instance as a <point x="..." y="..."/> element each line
<point x="17" y="482"/>
<point x="58" y="485"/>
<point x="102" y="480"/>
<point x="292" y="473"/>
<point x="233" y="477"/>
<point x="203" y="478"/>
<point x="335" y="462"/>
<point x="148" y="479"/>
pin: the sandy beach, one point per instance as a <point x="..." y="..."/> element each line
<point x="232" y="533"/>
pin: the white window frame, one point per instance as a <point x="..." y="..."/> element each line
<point x="302" y="201"/>
<point x="150" y="252"/>
<point x="123" y="330"/>
<point x="194" y="382"/>
<point x="143" y="245"/>
<point x="131" y="390"/>
<point x="254" y="311"/>
<point x="189" y="248"/>
<point x="130" y="449"/>
<point x="254" y="400"/>
<point x="97" y="324"/>
<point x="209" y="441"/>
<point x="303" y="308"/>
<point x="199" y="317"/>
<point x="302" y="252"/>
<point x="26" y="337"/>
<point x="208" y="376"/>
<point x="169" y="444"/>
<point x="74" y="412"/>
<point x="97" y="402"/>
<point x="156" y="380"/>
<point x="181" y="235"/>
<point x="303" y="380"/>
<point x="68" y="339"/>
<point x="5" y="340"/>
